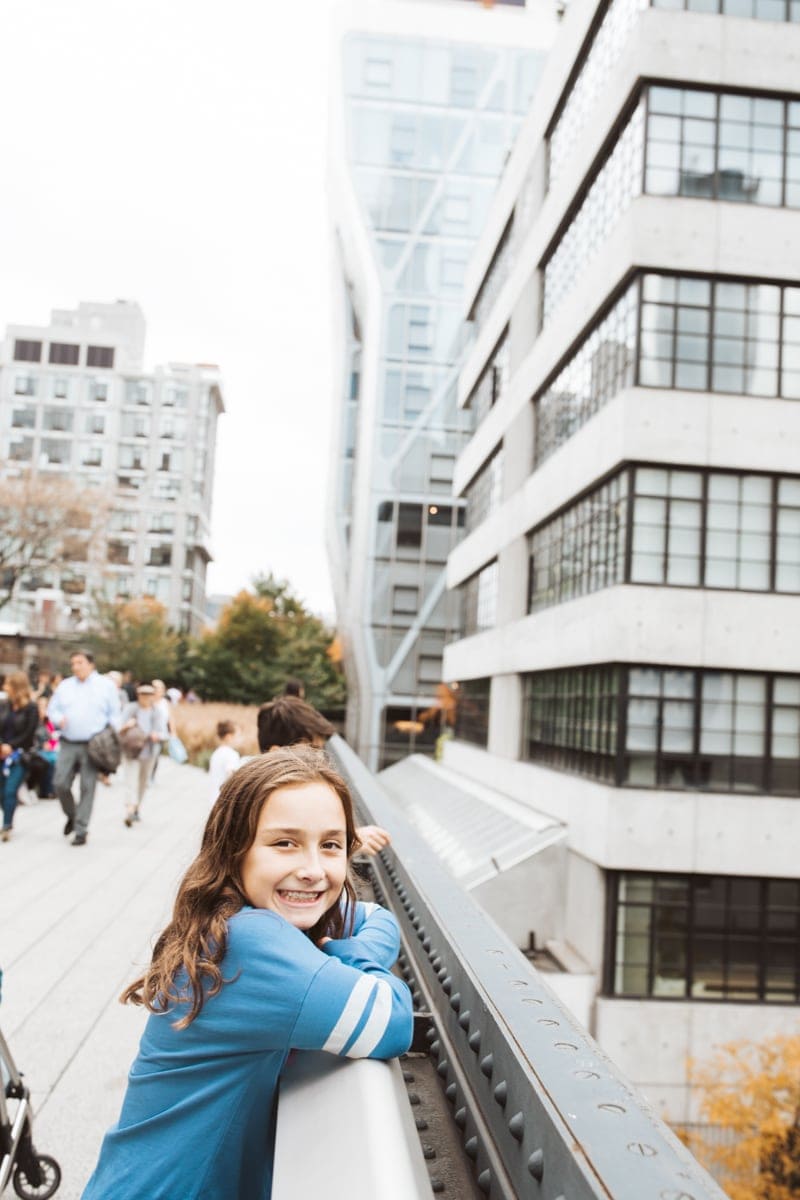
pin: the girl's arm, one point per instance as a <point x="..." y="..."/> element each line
<point x="375" y="939"/>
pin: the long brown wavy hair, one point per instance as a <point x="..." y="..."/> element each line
<point x="186" y="963"/>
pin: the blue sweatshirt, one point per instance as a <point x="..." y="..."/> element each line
<point x="198" y="1118"/>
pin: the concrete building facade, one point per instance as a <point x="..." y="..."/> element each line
<point x="631" y="569"/>
<point x="77" y="403"/>
<point x="427" y="100"/>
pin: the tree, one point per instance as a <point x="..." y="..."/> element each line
<point x="264" y="637"/>
<point x="133" y="635"/>
<point x="44" y="520"/>
<point x="753" y="1089"/>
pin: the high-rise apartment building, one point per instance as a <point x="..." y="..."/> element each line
<point x="631" y="571"/>
<point x="76" y="402"/>
<point x="428" y="97"/>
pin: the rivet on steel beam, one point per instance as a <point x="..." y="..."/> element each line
<point x="430" y="1034"/>
<point x="442" y="973"/>
<point x="536" y="1165"/>
<point x="408" y="1076"/>
<point x="485" y="1181"/>
<point x="435" y="1045"/>
<point x="487" y="1066"/>
<point x="426" y="941"/>
<point x="436" y="962"/>
<point x="471" y="1147"/>
<point x="455" y="1002"/>
<point x="421" y="1124"/>
<point x="413" y="1099"/>
<point x="463" y="1020"/>
<point x="447" y="986"/>
<point x="437" y="1186"/>
<point x="461" y="1118"/>
<point x="474" y="1041"/>
<point x="450" y="1092"/>
<point x="442" y="1068"/>
<point x="501" y="1093"/>
<point x="516" y="1126"/>
<point x="428" y="1153"/>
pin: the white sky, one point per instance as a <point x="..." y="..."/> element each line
<point x="173" y="152"/>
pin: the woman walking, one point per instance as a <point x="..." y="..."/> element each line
<point x="142" y="732"/>
<point x="16" y="738"/>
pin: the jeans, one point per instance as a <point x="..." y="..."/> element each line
<point x="73" y="757"/>
<point x="10" y="785"/>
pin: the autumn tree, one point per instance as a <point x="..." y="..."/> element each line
<point x="753" y="1090"/>
<point x="44" y="521"/>
<point x="263" y="637"/>
<point x="134" y="635"/>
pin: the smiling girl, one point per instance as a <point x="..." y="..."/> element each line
<point x="268" y="950"/>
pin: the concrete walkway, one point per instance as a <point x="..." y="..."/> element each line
<point x="76" y="925"/>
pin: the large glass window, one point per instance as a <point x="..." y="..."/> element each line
<point x="668" y="727"/>
<point x="472" y="711"/>
<point x="617" y="182"/>
<point x="705" y="937"/>
<point x="492" y="382"/>
<point x="582" y="549"/>
<point x="496" y="275"/>
<point x="480" y="600"/>
<point x="759" y="10"/>
<point x="484" y="493"/>
<point x="694" y="334"/>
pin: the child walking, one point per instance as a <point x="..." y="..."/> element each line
<point x="267" y="951"/>
<point x="224" y="760"/>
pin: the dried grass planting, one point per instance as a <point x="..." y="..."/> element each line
<point x="196" y="725"/>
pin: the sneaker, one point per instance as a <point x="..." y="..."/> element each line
<point x="79" y="840"/>
<point x="5" y="836"/>
<point x="70" y="825"/>
<point x="129" y="820"/>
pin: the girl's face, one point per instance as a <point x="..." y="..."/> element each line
<point x="297" y="863"/>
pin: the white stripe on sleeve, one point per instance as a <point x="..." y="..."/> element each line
<point x="350" y="1016"/>
<point x="376" y="1024"/>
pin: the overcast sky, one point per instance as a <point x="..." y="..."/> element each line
<point x="173" y="152"/>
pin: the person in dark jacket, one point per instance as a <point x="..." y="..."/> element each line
<point x="17" y="733"/>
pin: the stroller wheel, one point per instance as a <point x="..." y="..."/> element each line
<point x="49" y="1178"/>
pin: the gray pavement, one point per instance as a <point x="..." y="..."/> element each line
<point x="76" y="925"/>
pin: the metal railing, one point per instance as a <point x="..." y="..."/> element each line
<point x="541" y="1110"/>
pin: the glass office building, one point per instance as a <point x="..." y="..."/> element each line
<point x="425" y="127"/>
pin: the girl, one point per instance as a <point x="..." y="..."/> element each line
<point x="267" y="950"/>
<point x="16" y="738"/>
<point x="225" y="759"/>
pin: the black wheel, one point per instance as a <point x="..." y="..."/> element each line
<point x="49" y="1179"/>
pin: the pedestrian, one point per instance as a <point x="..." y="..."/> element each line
<point x="225" y="759"/>
<point x="17" y="734"/>
<point x="144" y="719"/>
<point x="165" y="708"/>
<point x="289" y="721"/>
<point x="128" y="686"/>
<point x="42" y="764"/>
<point x="295" y="687"/>
<point x="79" y="708"/>
<point x="267" y="951"/>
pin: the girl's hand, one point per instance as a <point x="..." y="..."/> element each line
<point x="372" y="838"/>
<point x="323" y="941"/>
<point x="5" y="750"/>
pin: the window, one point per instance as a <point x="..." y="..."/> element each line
<point x="24" y="385"/>
<point x="132" y="458"/>
<point x="123" y="520"/>
<point x="27" y="351"/>
<point x="492" y="382"/>
<point x="705" y="937"/>
<point x="441" y="469"/>
<point x="95" y="423"/>
<point x="100" y="356"/>
<point x="92" y="456"/>
<point x="119" y="552"/>
<point x="61" y="388"/>
<point x="64" y="354"/>
<point x="484" y="493"/>
<point x="405" y="600"/>
<point x="20" y="449"/>
<point x="160" y="556"/>
<point x="137" y="392"/>
<point x="162" y="522"/>
<point x="174" y="397"/>
<point x="135" y="425"/>
<point x="472" y="711"/>
<point x="668" y="727"/>
<point x="429" y="670"/>
<point x="409" y="526"/>
<point x="759" y="10"/>
<point x="378" y="73"/>
<point x="55" y="452"/>
<point x="58" y="419"/>
<point x="98" y="391"/>
<point x="480" y="600"/>
<point x="23" y="417"/>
